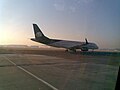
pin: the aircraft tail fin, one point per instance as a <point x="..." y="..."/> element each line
<point x="39" y="36"/>
<point x="38" y="33"/>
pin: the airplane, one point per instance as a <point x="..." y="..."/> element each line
<point x="71" y="46"/>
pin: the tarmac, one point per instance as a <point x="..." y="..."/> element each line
<point x="26" y="69"/>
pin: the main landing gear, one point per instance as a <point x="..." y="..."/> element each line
<point x="71" y="50"/>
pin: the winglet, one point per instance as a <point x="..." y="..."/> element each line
<point x="86" y="41"/>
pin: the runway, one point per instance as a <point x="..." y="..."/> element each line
<point x="22" y="71"/>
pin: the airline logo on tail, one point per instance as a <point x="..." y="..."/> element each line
<point x="38" y="34"/>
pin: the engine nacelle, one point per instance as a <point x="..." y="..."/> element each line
<point x="84" y="49"/>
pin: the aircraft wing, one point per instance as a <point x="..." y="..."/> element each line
<point x="77" y="46"/>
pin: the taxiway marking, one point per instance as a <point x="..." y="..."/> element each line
<point x="54" y="88"/>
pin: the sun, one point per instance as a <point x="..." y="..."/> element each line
<point x="6" y="35"/>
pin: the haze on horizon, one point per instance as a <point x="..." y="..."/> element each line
<point x="96" y="20"/>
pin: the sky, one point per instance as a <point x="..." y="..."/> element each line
<point x="96" y="20"/>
